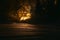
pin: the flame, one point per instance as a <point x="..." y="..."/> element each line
<point x="24" y="13"/>
<point x="26" y="17"/>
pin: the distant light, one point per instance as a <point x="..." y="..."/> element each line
<point x="55" y="2"/>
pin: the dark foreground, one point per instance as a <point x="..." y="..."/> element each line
<point x="24" y="31"/>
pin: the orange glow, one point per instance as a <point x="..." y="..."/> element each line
<point x="26" y="17"/>
<point x="24" y="12"/>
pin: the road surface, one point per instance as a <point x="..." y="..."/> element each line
<point x="25" y="31"/>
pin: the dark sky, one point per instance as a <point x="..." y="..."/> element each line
<point x="44" y="11"/>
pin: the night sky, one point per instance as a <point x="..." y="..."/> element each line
<point x="44" y="11"/>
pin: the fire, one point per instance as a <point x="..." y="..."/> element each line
<point x="26" y="17"/>
<point x="24" y="12"/>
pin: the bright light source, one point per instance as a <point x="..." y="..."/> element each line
<point x="24" y="12"/>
